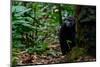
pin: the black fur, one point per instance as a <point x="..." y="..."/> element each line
<point x="67" y="32"/>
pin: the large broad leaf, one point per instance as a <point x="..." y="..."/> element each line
<point x="19" y="10"/>
<point x="20" y="22"/>
<point x="27" y="25"/>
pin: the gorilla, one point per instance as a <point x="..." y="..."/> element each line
<point x="67" y="35"/>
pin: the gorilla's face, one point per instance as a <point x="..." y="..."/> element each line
<point x="70" y="21"/>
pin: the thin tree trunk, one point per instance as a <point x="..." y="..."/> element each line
<point x="60" y="14"/>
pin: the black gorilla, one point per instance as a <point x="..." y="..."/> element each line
<point x="67" y="33"/>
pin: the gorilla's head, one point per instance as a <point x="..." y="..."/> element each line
<point x="69" y="21"/>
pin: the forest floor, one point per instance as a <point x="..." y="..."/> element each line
<point x="52" y="56"/>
